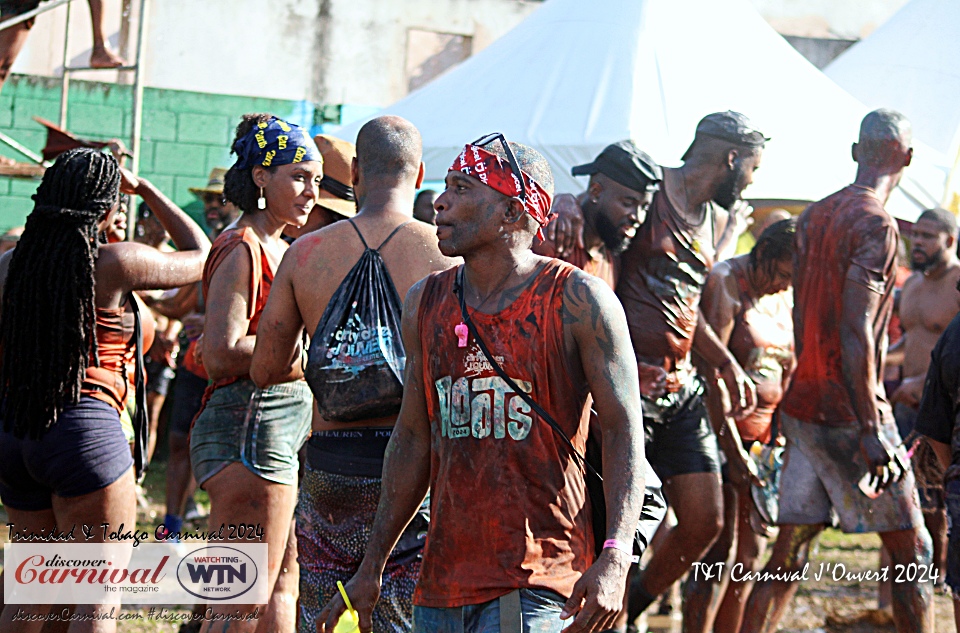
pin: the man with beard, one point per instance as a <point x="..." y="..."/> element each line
<point x="843" y="454"/>
<point x="623" y="179"/>
<point x="663" y="273"/>
<point x="928" y="303"/>
<point x="622" y="182"/>
<point x="217" y="211"/>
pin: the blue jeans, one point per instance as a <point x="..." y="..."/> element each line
<point x="540" y="608"/>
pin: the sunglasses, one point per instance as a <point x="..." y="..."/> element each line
<point x="511" y="158"/>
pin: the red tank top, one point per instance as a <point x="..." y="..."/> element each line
<point x="508" y="504"/>
<point x="762" y="342"/>
<point x="605" y="266"/>
<point x="261" y="277"/>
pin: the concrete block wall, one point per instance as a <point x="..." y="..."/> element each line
<point x="185" y="134"/>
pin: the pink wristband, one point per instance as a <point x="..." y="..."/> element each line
<point x="626" y="548"/>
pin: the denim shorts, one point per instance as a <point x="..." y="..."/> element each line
<point x="260" y="428"/>
<point x="83" y="452"/>
<point x="540" y="608"/>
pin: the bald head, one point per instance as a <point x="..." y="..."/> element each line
<point x="389" y="148"/>
<point x="883" y="135"/>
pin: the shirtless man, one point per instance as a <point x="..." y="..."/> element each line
<point x="623" y="179"/>
<point x="344" y="461"/>
<point x="836" y="418"/>
<point x="927" y="305"/>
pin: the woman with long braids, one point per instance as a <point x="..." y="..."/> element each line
<point x="244" y="443"/>
<point x="65" y="342"/>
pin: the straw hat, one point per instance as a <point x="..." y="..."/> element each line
<point x="338" y="156"/>
<point x="214" y="183"/>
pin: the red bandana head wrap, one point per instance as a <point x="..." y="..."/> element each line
<point x="497" y="173"/>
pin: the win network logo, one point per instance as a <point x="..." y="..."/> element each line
<point x="217" y="572"/>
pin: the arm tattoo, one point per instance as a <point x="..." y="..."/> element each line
<point x="578" y="297"/>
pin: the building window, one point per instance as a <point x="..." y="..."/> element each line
<point x="429" y="53"/>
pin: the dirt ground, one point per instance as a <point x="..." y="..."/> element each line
<point x="820" y="606"/>
<point x="835" y="607"/>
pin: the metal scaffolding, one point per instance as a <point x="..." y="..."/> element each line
<point x="136" y="68"/>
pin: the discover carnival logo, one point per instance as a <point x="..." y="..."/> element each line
<point x="119" y="573"/>
<point x="217" y="572"/>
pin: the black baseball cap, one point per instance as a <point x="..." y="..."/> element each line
<point x="624" y="163"/>
<point x="733" y="127"/>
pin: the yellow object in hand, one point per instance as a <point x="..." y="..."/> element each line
<point x="349" y="621"/>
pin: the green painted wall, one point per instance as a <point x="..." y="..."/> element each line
<point x="185" y="134"/>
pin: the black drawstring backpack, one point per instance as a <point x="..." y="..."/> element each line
<point x="356" y="357"/>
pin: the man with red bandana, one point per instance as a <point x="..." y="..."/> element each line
<point x="510" y="543"/>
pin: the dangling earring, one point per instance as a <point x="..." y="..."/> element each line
<point x="261" y="201"/>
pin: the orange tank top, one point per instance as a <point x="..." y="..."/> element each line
<point x="261" y="277"/>
<point x="508" y="504"/>
<point x="116" y="351"/>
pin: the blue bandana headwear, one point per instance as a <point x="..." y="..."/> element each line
<point x="273" y="143"/>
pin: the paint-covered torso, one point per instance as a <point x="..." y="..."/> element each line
<point x="762" y="342"/>
<point x="509" y="508"/>
<point x="846" y="236"/>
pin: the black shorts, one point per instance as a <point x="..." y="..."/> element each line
<point x="159" y="376"/>
<point x="188" y="392"/>
<point x="83" y="452"/>
<point x="679" y="438"/>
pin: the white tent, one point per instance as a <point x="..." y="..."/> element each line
<point x="912" y="64"/>
<point x="575" y="76"/>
